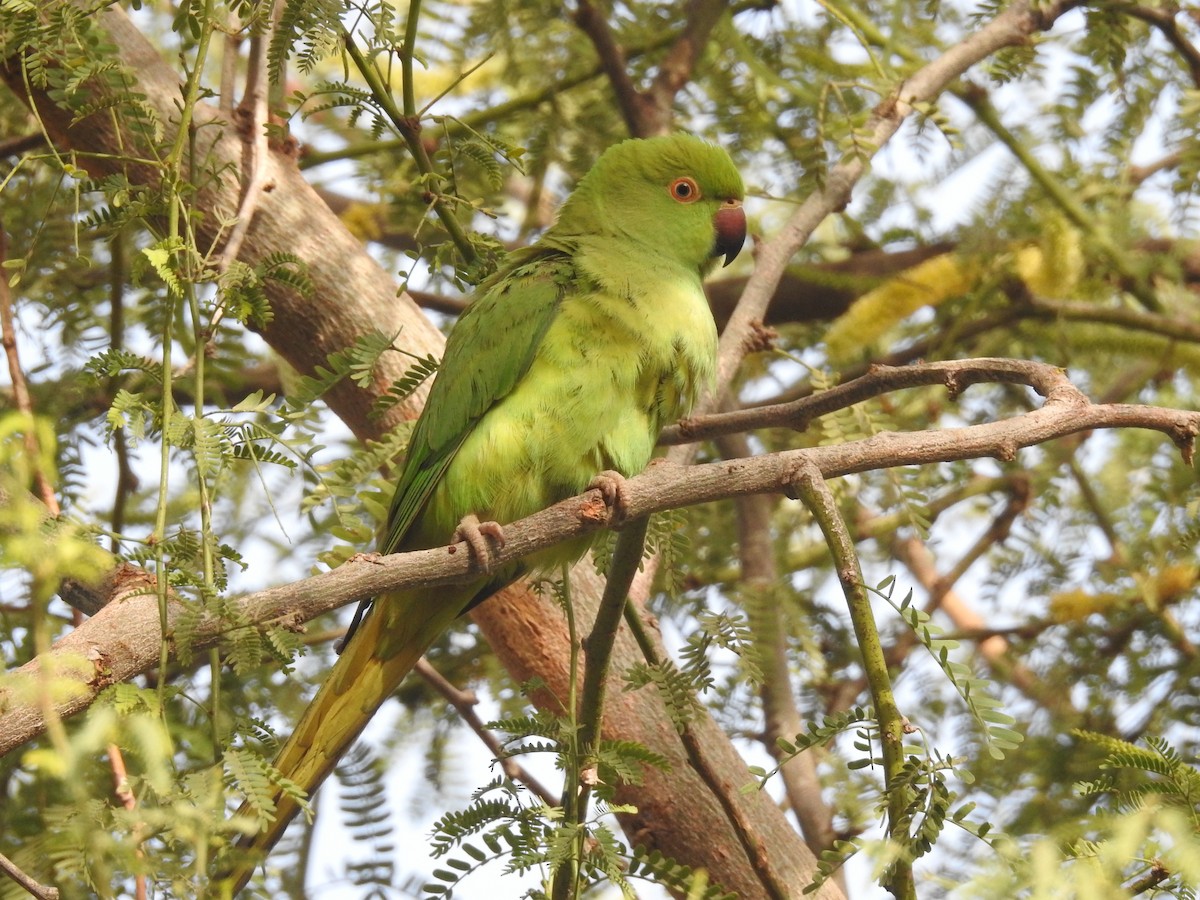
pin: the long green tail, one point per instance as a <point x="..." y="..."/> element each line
<point x="382" y="651"/>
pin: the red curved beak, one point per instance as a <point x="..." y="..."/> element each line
<point x="730" y="226"/>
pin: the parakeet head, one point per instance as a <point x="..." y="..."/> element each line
<point x="677" y="197"/>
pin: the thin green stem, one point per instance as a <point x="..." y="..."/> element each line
<point x="409" y="128"/>
<point x="406" y="59"/>
<point x="566" y="877"/>
<point x="811" y="488"/>
<point x="627" y="557"/>
<point x="626" y="560"/>
<point x="164" y="472"/>
<point x="172" y="174"/>
<point x="201" y="339"/>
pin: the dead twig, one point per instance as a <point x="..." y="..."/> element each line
<point x="35" y="888"/>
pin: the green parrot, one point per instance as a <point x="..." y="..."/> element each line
<point x="567" y="364"/>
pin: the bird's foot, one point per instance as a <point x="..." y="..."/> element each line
<point x="475" y="534"/>
<point x="612" y="486"/>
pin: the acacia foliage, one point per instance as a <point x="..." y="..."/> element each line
<point x="1044" y="208"/>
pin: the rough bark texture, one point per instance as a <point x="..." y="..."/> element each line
<point x="351" y="294"/>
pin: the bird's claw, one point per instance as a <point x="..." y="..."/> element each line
<point x="613" y="487"/>
<point x="475" y="534"/>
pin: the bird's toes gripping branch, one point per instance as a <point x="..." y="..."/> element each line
<point x="613" y="487"/>
<point x="475" y="534"/>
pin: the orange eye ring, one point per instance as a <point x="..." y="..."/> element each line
<point x="684" y="189"/>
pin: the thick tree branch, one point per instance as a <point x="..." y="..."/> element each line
<point x="811" y="487"/>
<point x="290" y="218"/>
<point x="122" y="640"/>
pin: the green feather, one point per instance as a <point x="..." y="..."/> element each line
<point x="489" y="351"/>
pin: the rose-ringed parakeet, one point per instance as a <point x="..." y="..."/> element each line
<point x="568" y="362"/>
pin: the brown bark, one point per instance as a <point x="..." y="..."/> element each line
<point x="351" y="293"/>
<point x="123" y="641"/>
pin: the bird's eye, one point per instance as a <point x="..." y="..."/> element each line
<point x="685" y="190"/>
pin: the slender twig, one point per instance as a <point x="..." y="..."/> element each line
<point x="20" y="388"/>
<point x="15" y="146"/>
<point x="811" y="488"/>
<point x="1163" y="19"/>
<point x="676" y="69"/>
<point x="128" y="800"/>
<point x="409" y="128"/>
<point x="1137" y="174"/>
<point x="996" y="533"/>
<point x="1157" y="875"/>
<point x="464" y="703"/>
<point x="649" y="112"/>
<point x="613" y="61"/>
<point x="35" y="888"/>
<point x="1011" y="27"/>
<point x="799" y="414"/>
<point x="1176" y="328"/>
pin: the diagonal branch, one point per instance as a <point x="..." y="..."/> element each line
<point x="123" y="639"/>
<point x="1012" y="27"/>
<point x="1163" y="19"/>
<point x="648" y="112"/>
<point x="464" y="703"/>
<point x="35" y="888"/>
<point x="612" y="60"/>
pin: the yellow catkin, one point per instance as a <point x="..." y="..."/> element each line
<point x="1157" y="590"/>
<point x="929" y="284"/>
<point x="1054" y="266"/>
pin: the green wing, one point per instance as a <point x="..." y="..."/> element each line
<point x="488" y="352"/>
